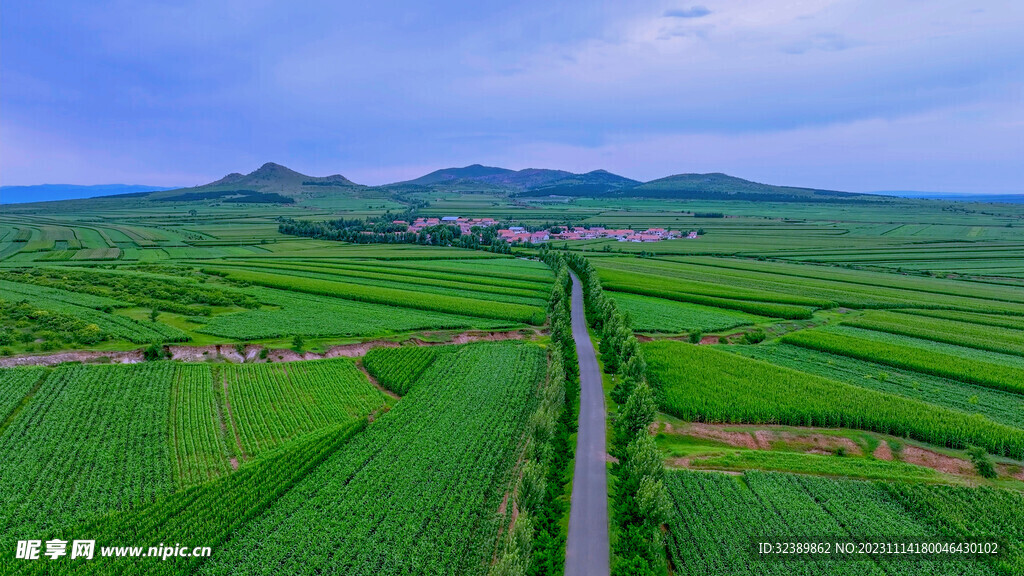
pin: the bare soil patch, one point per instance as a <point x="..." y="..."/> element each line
<point x="373" y="381"/>
<point x="709" y="340"/>
<point x="821" y="442"/>
<point x="948" y="464"/>
<point x="123" y="357"/>
<point x="883" y="452"/>
<point x="713" y="432"/>
<point x="251" y="352"/>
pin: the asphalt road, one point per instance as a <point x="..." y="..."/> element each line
<point x="587" y="552"/>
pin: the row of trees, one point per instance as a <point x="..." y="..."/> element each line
<point x="535" y="545"/>
<point x="367" y="232"/>
<point x="640" y="503"/>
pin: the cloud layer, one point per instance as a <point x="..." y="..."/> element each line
<point x="854" y="95"/>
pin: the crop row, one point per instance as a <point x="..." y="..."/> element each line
<point x="273" y="403"/>
<point x="205" y="515"/>
<point x="703" y="384"/>
<point x="92" y="439"/>
<point x="465" y="275"/>
<point x="160" y="292"/>
<point x="668" y="316"/>
<point x="398" y="369"/>
<point x="75" y="327"/>
<point x="387" y="278"/>
<point x="984" y="514"/>
<point x="996" y="339"/>
<point x="312" y="315"/>
<point x="1002" y="321"/>
<point x="492" y="293"/>
<point x="735" y="278"/>
<point x="1003" y="407"/>
<point x="716" y="520"/>
<point x="498" y="268"/>
<point x="15" y="384"/>
<point x="417" y="492"/>
<point x="882" y="283"/>
<point x="392" y="296"/>
<point x="959" y="367"/>
<point x="198" y="443"/>
<point x="665" y="288"/>
<point x="706" y="285"/>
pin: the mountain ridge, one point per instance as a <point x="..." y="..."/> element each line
<point x="275" y="183"/>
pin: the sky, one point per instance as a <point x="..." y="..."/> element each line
<point x="856" y="95"/>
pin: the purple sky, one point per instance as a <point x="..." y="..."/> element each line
<point x="851" y="95"/>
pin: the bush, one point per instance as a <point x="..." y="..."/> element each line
<point x="153" y="352"/>
<point x="754" y="337"/>
<point x="982" y="463"/>
<point x="695" y="337"/>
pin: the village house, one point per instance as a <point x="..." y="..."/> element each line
<point x="514" y="234"/>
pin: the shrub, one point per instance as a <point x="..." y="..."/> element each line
<point x="153" y="352"/>
<point x="754" y="337"/>
<point x="982" y="463"/>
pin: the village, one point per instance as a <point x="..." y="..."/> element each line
<point x="521" y="234"/>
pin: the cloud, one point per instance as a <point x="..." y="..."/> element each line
<point x="824" y="41"/>
<point x="692" y="12"/>
<point x="164" y="93"/>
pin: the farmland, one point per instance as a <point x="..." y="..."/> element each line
<point x="830" y="371"/>
<point x="271" y="404"/>
<point x="299" y="427"/>
<point x="715" y="520"/>
<point x="841" y="385"/>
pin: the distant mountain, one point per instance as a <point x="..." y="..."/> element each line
<point x="474" y="172"/>
<point x="533" y="182"/>
<point x="527" y="179"/>
<point x="274" y="183"/>
<point x="51" y="192"/>
<point x="596" y="183"/>
<point x="270" y="183"/>
<point x="718" y="186"/>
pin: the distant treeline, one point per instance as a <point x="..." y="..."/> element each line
<point x="236" y="196"/>
<point x="820" y="196"/>
<point x="367" y="232"/>
<point x="324" y="183"/>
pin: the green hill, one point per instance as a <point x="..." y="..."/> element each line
<point x="718" y="186"/>
<point x="271" y="183"/>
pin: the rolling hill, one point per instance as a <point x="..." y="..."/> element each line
<point x="270" y="183"/>
<point x="276" y="184"/>
<point x="718" y="186"/>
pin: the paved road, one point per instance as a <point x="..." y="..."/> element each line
<point x="587" y="553"/>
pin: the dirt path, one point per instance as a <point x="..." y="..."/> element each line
<point x="251" y="353"/>
<point x="230" y="424"/>
<point x="814" y="441"/>
<point x="359" y="364"/>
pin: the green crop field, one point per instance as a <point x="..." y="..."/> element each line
<point x="271" y="404"/>
<point x="315" y="405"/>
<point x="399" y="369"/>
<point x="708" y="385"/>
<point x="716" y="520"/>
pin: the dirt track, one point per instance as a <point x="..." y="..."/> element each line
<point x="251" y="352"/>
